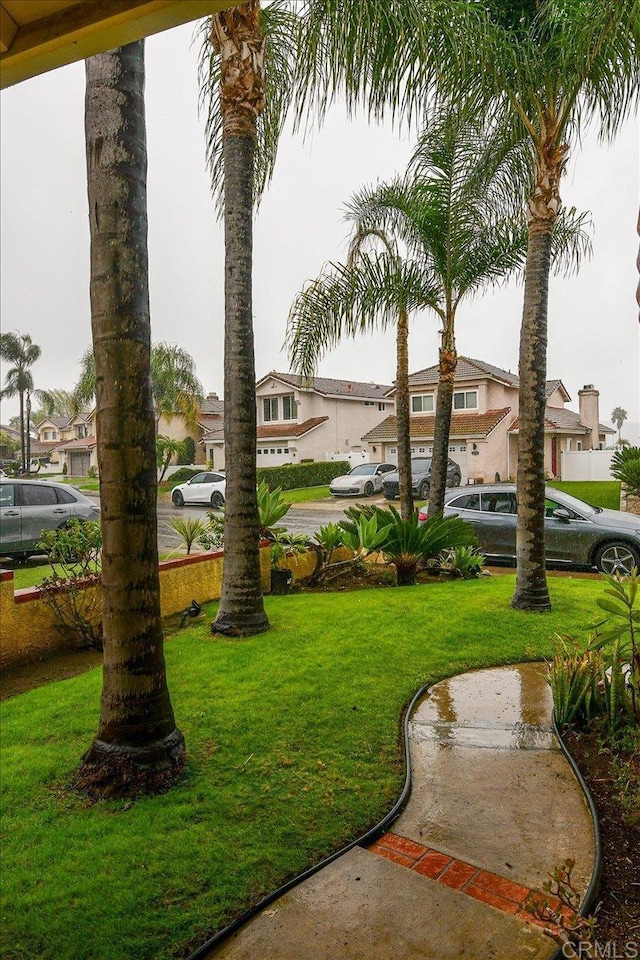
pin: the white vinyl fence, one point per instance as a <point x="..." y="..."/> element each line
<point x="586" y="465"/>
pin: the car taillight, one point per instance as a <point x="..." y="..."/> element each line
<point x="423" y="515"/>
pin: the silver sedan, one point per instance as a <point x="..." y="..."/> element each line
<point x="576" y="533"/>
<point x="362" y="481"/>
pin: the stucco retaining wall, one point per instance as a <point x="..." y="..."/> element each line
<point x="28" y="629"/>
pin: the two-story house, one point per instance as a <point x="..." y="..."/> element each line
<point x="69" y="440"/>
<point x="309" y="419"/>
<point x="483" y="438"/>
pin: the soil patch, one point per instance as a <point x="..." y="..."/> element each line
<point x="28" y="676"/>
<point x="617" y="801"/>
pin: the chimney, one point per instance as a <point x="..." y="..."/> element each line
<point x="212" y="396"/>
<point x="590" y="415"/>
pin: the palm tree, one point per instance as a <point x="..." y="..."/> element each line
<point x="618" y="416"/>
<point x="542" y="70"/>
<point x="235" y="104"/>
<point x="547" y="73"/>
<point x="138" y="746"/>
<point x="21" y="352"/>
<point x="175" y="386"/>
<point x="454" y="216"/>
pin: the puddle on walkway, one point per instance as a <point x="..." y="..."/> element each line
<point x="505" y="707"/>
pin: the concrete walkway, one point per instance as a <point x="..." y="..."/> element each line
<point x="494" y="807"/>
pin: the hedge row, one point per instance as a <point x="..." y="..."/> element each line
<point x="295" y="475"/>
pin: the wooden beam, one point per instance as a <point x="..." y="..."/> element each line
<point x="8" y="30"/>
<point x="93" y="26"/>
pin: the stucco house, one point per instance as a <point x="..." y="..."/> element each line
<point x="484" y="424"/>
<point x="309" y="419"/>
<point x="69" y="440"/>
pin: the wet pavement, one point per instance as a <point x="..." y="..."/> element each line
<point x="494" y="807"/>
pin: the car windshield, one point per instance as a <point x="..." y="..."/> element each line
<point x="363" y="469"/>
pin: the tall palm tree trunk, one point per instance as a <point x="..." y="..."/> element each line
<point x="403" y="415"/>
<point x="532" y="592"/>
<point x="27" y="433"/>
<point x="236" y="36"/>
<point x="138" y="746"/>
<point x="23" y="439"/>
<point x="531" y="584"/>
<point x="447" y="363"/>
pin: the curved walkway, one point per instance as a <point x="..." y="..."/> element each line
<point x="494" y="807"/>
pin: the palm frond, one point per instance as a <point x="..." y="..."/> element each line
<point x="279" y="24"/>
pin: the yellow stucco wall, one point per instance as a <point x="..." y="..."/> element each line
<point x="28" y="629"/>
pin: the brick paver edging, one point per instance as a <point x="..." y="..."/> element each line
<point x="480" y="884"/>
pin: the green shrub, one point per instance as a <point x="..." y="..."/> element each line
<point x="188" y="452"/>
<point x="625" y="466"/>
<point x="74" y="552"/>
<point x="184" y="474"/>
<point x="295" y="475"/>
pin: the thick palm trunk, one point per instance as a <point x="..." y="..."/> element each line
<point x="23" y="444"/>
<point x="403" y="415"/>
<point x="137" y="747"/>
<point x="27" y="434"/>
<point x="531" y="584"/>
<point x="236" y="35"/>
<point x="447" y="362"/>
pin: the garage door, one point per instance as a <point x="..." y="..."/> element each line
<point x="79" y="464"/>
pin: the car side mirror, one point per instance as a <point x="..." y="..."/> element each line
<point x="561" y="514"/>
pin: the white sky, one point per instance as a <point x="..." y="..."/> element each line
<point x="593" y="318"/>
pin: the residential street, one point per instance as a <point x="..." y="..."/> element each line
<point x="302" y="518"/>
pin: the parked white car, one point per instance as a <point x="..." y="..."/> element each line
<point x="362" y="481"/>
<point x="203" y="488"/>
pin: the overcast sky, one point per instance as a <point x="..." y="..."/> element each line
<point x="593" y="318"/>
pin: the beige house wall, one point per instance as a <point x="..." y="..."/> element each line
<point x="349" y="420"/>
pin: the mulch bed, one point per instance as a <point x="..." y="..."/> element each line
<point x="618" y="905"/>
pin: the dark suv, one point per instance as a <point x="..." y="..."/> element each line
<point x="27" y="507"/>
<point x="420" y="478"/>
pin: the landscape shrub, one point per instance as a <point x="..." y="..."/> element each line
<point x="184" y="474"/>
<point x="74" y="552"/>
<point x="295" y="475"/>
<point x="188" y="453"/>
<point x="625" y="466"/>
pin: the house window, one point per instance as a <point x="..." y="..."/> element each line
<point x="452" y="449"/>
<point x="286" y="450"/>
<point x="463" y="448"/>
<point x="393" y="449"/>
<point x="273" y="450"/>
<point x="369" y="403"/>
<point x="81" y="431"/>
<point x="465" y="400"/>
<point x="569" y="445"/>
<point x="382" y="406"/>
<point x="422" y="403"/>
<point x="279" y="449"/>
<point x="421" y="450"/>
<point x="289" y="408"/>
<point x="270" y="408"/>
<point x="258" y="451"/>
<point x="578" y="444"/>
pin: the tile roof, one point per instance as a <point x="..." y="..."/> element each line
<point x="79" y="443"/>
<point x="289" y="430"/>
<point x="210" y="406"/>
<point x="333" y="388"/>
<point x="553" y="385"/>
<point x="280" y="431"/>
<point x="561" y="420"/>
<point x="466" y="369"/>
<point x="463" y="425"/>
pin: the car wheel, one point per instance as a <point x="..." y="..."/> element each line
<point x="423" y="490"/>
<point x="368" y="489"/>
<point x="617" y="558"/>
<point x="177" y="498"/>
<point x="217" y="500"/>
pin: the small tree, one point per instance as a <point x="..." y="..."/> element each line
<point x="618" y="416"/>
<point x="74" y="554"/>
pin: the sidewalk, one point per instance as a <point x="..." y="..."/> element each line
<point x="494" y="807"/>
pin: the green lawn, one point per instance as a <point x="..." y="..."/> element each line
<point x="306" y="493"/>
<point x="293" y="742"/>
<point x="600" y="493"/>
